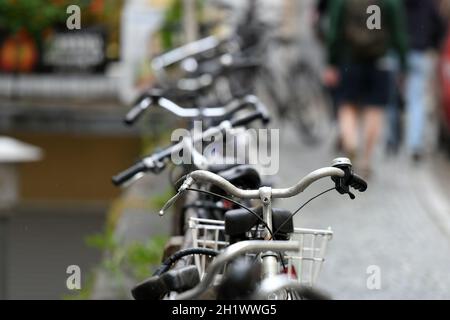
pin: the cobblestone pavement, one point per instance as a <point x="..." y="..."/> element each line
<point x="401" y="224"/>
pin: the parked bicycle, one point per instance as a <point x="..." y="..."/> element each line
<point x="259" y="247"/>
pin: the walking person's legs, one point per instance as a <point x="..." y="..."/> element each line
<point x="416" y="91"/>
<point x="393" y="130"/>
<point x="373" y="117"/>
<point x="378" y="82"/>
<point x="348" y="126"/>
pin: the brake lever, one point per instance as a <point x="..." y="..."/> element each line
<point x="186" y="184"/>
<point x="351" y="195"/>
<point x="158" y="167"/>
<point x="342" y="187"/>
<point x="343" y="183"/>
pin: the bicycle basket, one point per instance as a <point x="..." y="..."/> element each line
<point x="304" y="265"/>
<point x="209" y="234"/>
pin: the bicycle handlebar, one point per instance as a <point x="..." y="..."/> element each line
<point x="138" y="110"/>
<point x="209" y="177"/>
<point x="155" y="162"/>
<point x="129" y="173"/>
<point x="154" y="97"/>
<point x="191" y="49"/>
<point x="341" y="173"/>
<point x="358" y="183"/>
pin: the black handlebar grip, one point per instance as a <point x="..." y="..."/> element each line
<point x="246" y="119"/>
<point x="138" y="110"/>
<point x="358" y="183"/>
<point x="151" y="289"/>
<point x="129" y="173"/>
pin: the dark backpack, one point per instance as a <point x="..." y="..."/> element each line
<point x="365" y="43"/>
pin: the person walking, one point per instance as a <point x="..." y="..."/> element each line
<point x="426" y="31"/>
<point x="360" y="36"/>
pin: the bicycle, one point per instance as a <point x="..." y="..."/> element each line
<point x="271" y="227"/>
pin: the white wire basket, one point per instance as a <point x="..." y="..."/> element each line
<point x="303" y="266"/>
<point x="206" y="234"/>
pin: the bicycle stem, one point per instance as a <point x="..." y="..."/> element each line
<point x="269" y="259"/>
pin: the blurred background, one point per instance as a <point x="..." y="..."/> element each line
<point x="63" y="94"/>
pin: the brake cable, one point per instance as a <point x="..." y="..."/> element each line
<point x="236" y="203"/>
<point x="176" y="182"/>
<point x="167" y="264"/>
<point x="301" y="207"/>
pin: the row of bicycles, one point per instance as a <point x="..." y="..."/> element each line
<point x="228" y="239"/>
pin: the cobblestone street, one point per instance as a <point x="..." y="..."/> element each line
<point x="401" y="224"/>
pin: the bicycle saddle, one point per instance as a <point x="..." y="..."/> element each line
<point x="243" y="176"/>
<point x="217" y="168"/>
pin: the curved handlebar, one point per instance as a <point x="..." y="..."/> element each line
<point x="209" y="177"/>
<point x="155" y="162"/>
<point x="154" y="97"/>
<point x="129" y="173"/>
<point x="191" y="49"/>
<point x="341" y="173"/>
<point x="138" y="110"/>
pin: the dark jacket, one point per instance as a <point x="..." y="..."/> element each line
<point x="426" y="28"/>
<point x="337" y="46"/>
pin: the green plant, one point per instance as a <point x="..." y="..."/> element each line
<point x="141" y="256"/>
<point x="171" y="27"/>
<point x="33" y="15"/>
<point x="124" y="261"/>
<point x="133" y="260"/>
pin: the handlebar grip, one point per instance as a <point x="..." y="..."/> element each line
<point x="358" y="183"/>
<point x="129" y="173"/>
<point x="150" y="289"/>
<point x="138" y="110"/>
<point x="247" y="119"/>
